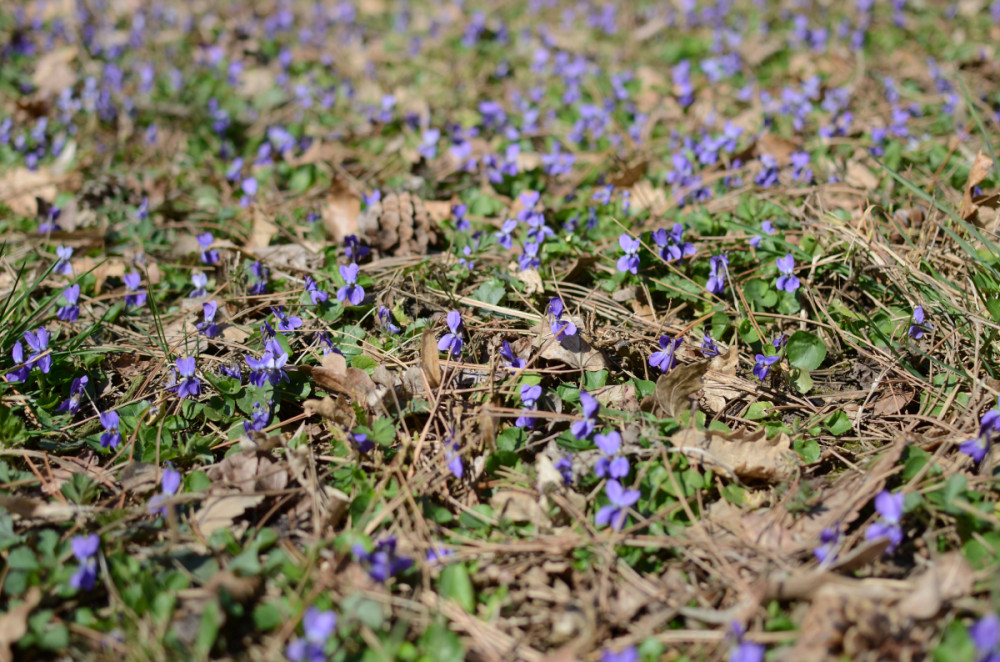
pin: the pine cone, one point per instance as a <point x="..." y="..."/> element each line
<point x="398" y="225"/>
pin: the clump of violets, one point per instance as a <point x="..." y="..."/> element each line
<point x="134" y="295"/>
<point x="989" y="426"/>
<point x="111" y="436"/>
<point x="38" y="343"/>
<point x="529" y="401"/>
<point x="383" y="561"/>
<point x="918" y="328"/>
<point x="582" y="429"/>
<point x="787" y="281"/>
<point x="718" y="266"/>
<point x="630" y="261"/>
<point x="560" y="328"/>
<point x="189" y="385"/>
<point x="208" y="255"/>
<point x="615" y="513"/>
<point x="351" y="292"/>
<point x="317" y="626"/>
<point x="672" y="245"/>
<point x="270" y="366"/>
<point x="763" y="364"/>
<point x="985" y="636"/>
<point x="452" y="342"/>
<point x="612" y="464"/>
<point x="76" y="390"/>
<point x="85" y="550"/>
<point x="666" y="358"/>
<point x="70" y="311"/>
<point x="170" y="482"/>
<point x="889" y="506"/>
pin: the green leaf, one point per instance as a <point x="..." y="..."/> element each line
<point x="456" y="584"/>
<point x="441" y="644"/>
<point x="805" y="350"/>
<point x="748" y="333"/>
<point x="757" y="291"/>
<point x="595" y="380"/>
<point x="802" y="380"/>
<point x="267" y="617"/>
<point x="363" y="362"/>
<point x="758" y="411"/>
<point x="837" y="423"/>
<point x="808" y="449"/>
<point x="491" y="292"/>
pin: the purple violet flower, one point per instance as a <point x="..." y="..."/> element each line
<point x="918" y="328"/>
<point x="616" y="512"/>
<point x="890" y="507"/>
<point x="318" y="627"/>
<point x="529" y="398"/>
<point x="666" y="358"/>
<point x="767" y="228"/>
<point x="560" y="328"/>
<point x="718" y="268"/>
<point x="630" y="261"/>
<point x="584" y="428"/>
<point x="85" y="550"/>
<point x="63" y="265"/>
<point x="384" y="316"/>
<point x="170" y="482"/>
<point x="270" y="366"/>
<point x="134" y="296"/>
<point x="504" y="236"/>
<point x="112" y="435"/>
<point x="200" y="282"/>
<point x="316" y="295"/>
<point x="189" y="386"/>
<point x="452" y="342"/>
<point x="763" y="366"/>
<point x="787" y="281"/>
<point x="708" y="346"/>
<point x="76" y="390"/>
<point x="351" y="292"/>
<point x="382" y="562"/>
<point x="612" y="464"/>
<point x="828" y="538"/>
<point x="208" y="327"/>
<point x="208" y="256"/>
<point x="286" y="322"/>
<point x="985" y="635"/>
<point x="258" y="419"/>
<point x="627" y="654"/>
<point x="71" y="311"/>
<point x="513" y="361"/>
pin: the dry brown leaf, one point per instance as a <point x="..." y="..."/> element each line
<point x="675" y="388"/>
<point x="718" y="381"/>
<point x="747" y="454"/>
<point x="837" y="505"/>
<point x="291" y="256"/>
<point x="254" y="82"/>
<point x="29" y="508"/>
<point x="520" y="507"/>
<point x="897" y="397"/>
<point x="219" y="512"/>
<point x="573" y="350"/>
<point x="14" y="623"/>
<point x="340" y="211"/>
<point x="646" y="196"/>
<point x="261" y="231"/>
<point x="87" y="464"/>
<point x="249" y="472"/>
<point x="55" y="71"/>
<point x="19" y="187"/>
<point x="532" y="281"/>
<point x="619" y="396"/>
<point x="354" y="383"/>
<point x="430" y="360"/>
<point x="949" y="578"/>
<point x="980" y="170"/>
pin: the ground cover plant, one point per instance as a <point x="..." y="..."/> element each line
<point x="540" y="331"/>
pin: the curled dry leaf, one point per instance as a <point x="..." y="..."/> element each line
<point x="237" y="481"/>
<point x="675" y="388"/>
<point x="980" y="170"/>
<point x="335" y="410"/>
<point x="532" y="281"/>
<point x="749" y="455"/>
<point x="574" y="351"/>
<point x="950" y="577"/>
<point x="519" y="507"/>
<point x="719" y="381"/>
<point x="353" y="382"/>
<point x="55" y="71"/>
<point x="340" y="211"/>
<point x="430" y="361"/>
<point x="14" y="623"/>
